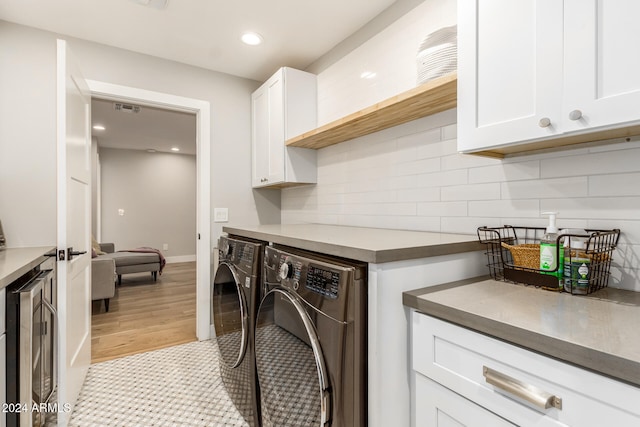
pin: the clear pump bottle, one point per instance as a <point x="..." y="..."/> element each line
<point x="549" y="250"/>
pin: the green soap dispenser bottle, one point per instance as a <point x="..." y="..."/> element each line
<point x="549" y="249"/>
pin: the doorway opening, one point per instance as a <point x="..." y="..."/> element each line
<point x="201" y="110"/>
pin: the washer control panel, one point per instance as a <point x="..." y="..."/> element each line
<point x="300" y="273"/>
<point x="323" y="281"/>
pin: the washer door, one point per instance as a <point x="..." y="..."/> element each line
<point x="230" y="316"/>
<point x="294" y="385"/>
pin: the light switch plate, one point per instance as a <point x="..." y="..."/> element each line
<point x="220" y="214"/>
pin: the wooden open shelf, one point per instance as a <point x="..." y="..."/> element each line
<point x="429" y="98"/>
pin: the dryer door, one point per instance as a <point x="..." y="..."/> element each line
<point x="293" y="380"/>
<point x="230" y="316"/>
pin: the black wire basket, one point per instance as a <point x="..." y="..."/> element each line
<point x="583" y="270"/>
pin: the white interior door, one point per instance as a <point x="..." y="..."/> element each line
<point x="74" y="223"/>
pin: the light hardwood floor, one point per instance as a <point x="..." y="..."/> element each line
<point x="146" y="315"/>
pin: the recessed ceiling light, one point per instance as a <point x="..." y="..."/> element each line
<point x="251" y="38"/>
<point x="151" y="150"/>
<point x="367" y="75"/>
<point x="176" y="149"/>
<point x="99" y="127"/>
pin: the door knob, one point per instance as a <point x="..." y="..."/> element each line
<point x="71" y="253"/>
<point x="544" y="122"/>
<point x="575" y="115"/>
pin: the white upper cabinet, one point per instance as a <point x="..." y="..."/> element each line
<point x="545" y="70"/>
<point x="283" y="107"/>
<point x="601" y="62"/>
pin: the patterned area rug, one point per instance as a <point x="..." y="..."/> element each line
<point x="177" y="386"/>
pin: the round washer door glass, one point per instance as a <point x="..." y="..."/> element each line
<point x="291" y="371"/>
<point x="230" y="317"/>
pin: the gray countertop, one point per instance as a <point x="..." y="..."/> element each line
<point x="599" y="332"/>
<point x="372" y="245"/>
<point x="14" y="262"/>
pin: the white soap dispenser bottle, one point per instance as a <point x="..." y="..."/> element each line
<point x="549" y="247"/>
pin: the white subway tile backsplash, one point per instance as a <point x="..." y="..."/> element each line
<point x="438" y="149"/>
<point x="628" y="256"/>
<point x="545" y="188"/>
<point x="505" y="208"/>
<point x="450" y="132"/>
<point x="440" y="209"/>
<point x="595" y="207"/>
<point x="629" y="230"/>
<point x="627" y="184"/>
<point x="417" y="167"/>
<point x="419" y="194"/>
<point x="407" y="146"/>
<point x="505" y="172"/>
<point x="381" y="196"/>
<point x="624" y="278"/>
<point x="471" y="192"/>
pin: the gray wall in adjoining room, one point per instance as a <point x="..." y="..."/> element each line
<point x="157" y="192"/>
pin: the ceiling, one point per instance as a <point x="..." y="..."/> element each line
<point x="206" y="33"/>
<point x="151" y="128"/>
<point x="202" y="33"/>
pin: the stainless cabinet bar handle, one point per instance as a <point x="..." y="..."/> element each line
<point x="531" y="394"/>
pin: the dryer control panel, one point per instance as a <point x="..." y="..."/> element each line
<point x="244" y="255"/>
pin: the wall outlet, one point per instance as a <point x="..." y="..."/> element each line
<point x="220" y="214"/>
<point x="165" y="246"/>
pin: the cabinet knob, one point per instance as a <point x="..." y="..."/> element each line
<point x="575" y="115"/>
<point x="544" y="122"/>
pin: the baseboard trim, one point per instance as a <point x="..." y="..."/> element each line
<point x="180" y="258"/>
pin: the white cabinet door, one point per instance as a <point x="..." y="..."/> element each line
<point x="283" y="107"/>
<point x="510" y="71"/>
<point x="275" y="165"/>
<point x="437" y="406"/>
<point x="601" y="63"/>
<point x="260" y="136"/>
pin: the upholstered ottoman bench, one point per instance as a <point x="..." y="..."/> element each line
<point x="139" y="260"/>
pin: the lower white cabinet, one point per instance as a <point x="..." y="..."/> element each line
<point x="471" y="373"/>
<point x="439" y="406"/>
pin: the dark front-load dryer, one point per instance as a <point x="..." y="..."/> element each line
<point x="310" y="341"/>
<point x="236" y="293"/>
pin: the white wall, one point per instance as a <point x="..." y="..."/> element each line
<point x="27" y="128"/>
<point x="157" y="192"/>
<point x="411" y="177"/>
